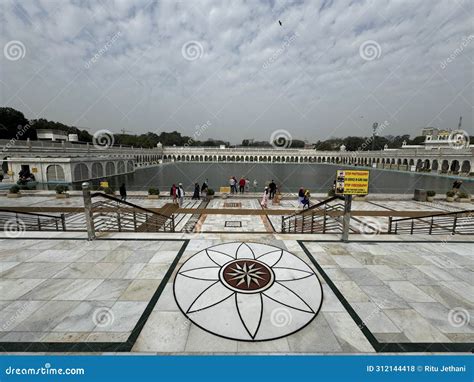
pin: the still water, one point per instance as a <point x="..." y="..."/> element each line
<point x="289" y="177"/>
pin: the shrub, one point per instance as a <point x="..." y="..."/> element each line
<point x="463" y="195"/>
<point x="61" y="189"/>
<point x="450" y="194"/>
<point x="153" y="191"/>
<point x="430" y="193"/>
<point x="14" y="189"/>
<point x="331" y="192"/>
<point x="210" y="191"/>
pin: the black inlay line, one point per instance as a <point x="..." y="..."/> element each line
<point x="80" y="347"/>
<point x="383" y="347"/>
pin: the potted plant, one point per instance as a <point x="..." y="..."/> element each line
<point x="450" y="196"/>
<point x="331" y="192"/>
<point x="61" y="191"/>
<point x="153" y="193"/>
<point x="14" y="192"/>
<point x="464" y="197"/>
<point x="210" y="193"/>
<point x="430" y="195"/>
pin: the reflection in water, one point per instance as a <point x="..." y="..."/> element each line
<point x="316" y="177"/>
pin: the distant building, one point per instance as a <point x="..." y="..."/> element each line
<point x="51" y="135"/>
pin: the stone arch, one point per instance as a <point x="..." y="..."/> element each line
<point x="120" y="167"/>
<point x="81" y="172"/>
<point x="97" y="170"/>
<point x="434" y="165"/>
<point x="109" y="168"/>
<point x="129" y="166"/>
<point x="454" y="166"/>
<point x="445" y="166"/>
<point x="55" y="173"/>
<point x="466" y="167"/>
<point x="427" y="164"/>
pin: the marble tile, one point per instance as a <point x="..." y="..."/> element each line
<point x="385" y="272"/>
<point x="266" y="347"/>
<point x="347" y="262"/>
<point x="109" y="290"/>
<point x="34" y="270"/>
<point x="348" y="334"/>
<point x="108" y="337"/>
<point x="414" y="326"/>
<point x="374" y="317"/>
<point x="140" y="290"/>
<point x="125" y="316"/>
<point x="47" y="316"/>
<point x="330" y="302"/>
<point x="362" y="276"/>
<point x="351" y="291"/>
<point x="83" y="318"/>
<point x="446" y="296"/>
<point x="57" y="256"/>
<point x="164" y="332"/>
<point x="164" y="257"/>
<point x="86" y="271"/>
<point x="441" y="318"/>
<point x="65" y="337"/>
<point x="200" y="341"/>
<point x="4" y="266"/>
<point x="16" y="312"/>
<point x="166" y="302"/>
<point x="127" y="271"/>
<point x="461" y="288"/>
<point x="154" y="271"/>
<point x="409" y="292"/>
<point x="384" y="297"/>
<point x="78" y="289"/>
<point x="47" y="290"/>
<point x="12" y="289"/>
<point x="436" y="272"/>
<point x="317" y="337"/>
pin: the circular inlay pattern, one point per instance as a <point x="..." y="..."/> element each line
<point x="247" y="291"/>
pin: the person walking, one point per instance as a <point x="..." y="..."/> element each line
<point x="300" y="196"/>
<point x="180" y="194"/>
<point x="306" y="199"/>
<point x="123" y="192"/>
<point x="456" y="186"/>
<point x="255" y="185"/>
<point x="174" y="193"/>
<point x="197" y="191"/>
<point x="247" y="185"/>
<point x="264" y="201"/>
<point x="242" y="185"/>
<point x="232" y="184"/>
<point x="272" y="186"/>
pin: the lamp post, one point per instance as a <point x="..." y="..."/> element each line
<point x="374" y="131"/>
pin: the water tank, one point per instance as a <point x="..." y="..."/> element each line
<point x="73" y="138"/>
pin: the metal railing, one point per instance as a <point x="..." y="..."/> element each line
<point x="114" y="215"/>
<point x="12" y="220"/>
<point x="315" y="219"/>
<point x="449" y="223"/>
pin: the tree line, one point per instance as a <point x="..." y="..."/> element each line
<point x="12" y="121"/>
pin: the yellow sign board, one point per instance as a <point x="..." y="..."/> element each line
<point x="10" y="173"/>
<point x="352" y="182"/>
<point x="34" y="170"/>
<point x="104" y="184"/>
<point x="224" y="190"/>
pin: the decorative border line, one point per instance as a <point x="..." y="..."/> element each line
<point x="385" y="347"/>
<point x="102" y="346"/>
<point x="231" y="222"/>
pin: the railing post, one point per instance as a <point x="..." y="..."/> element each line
<point x="346" y="220"/>
<point x="389" y="224"/>
<point x="412" y="226"/>
<point x="172" y="222"/>
<point x="134" y="221"/>
<point x="312" y="221"/>
<point x="86" y="193"/>
<point x="324" y="221"/>
<point x="63" y="222"/>
<point x="431" y="226"/>
<point x="118" y="221"/>
<point x="282" y="224"/>
<point x="454" y="223"/>
<point x="39" y="224"/>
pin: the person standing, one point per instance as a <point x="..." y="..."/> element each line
<point x="232" y="184"/>
<point x="456" y="186"/>
<point x="255" y="185"/>
<point x="174" y="193"/>
<point x="264" y="201"/>
<point x="306" y="199"/>
<point x="180" y="194"/>
<point x="300" y="196"/>
<point x="123" y="192"/>
<point x="197" y="191"/>
<point x="242" y="185"/>
<point x="247" y="185"/>
<point x="272" y="186"/>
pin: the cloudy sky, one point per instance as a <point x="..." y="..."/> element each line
<point x="331" y="69"/>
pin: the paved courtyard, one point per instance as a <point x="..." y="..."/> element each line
<point x="235" y="293"/>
